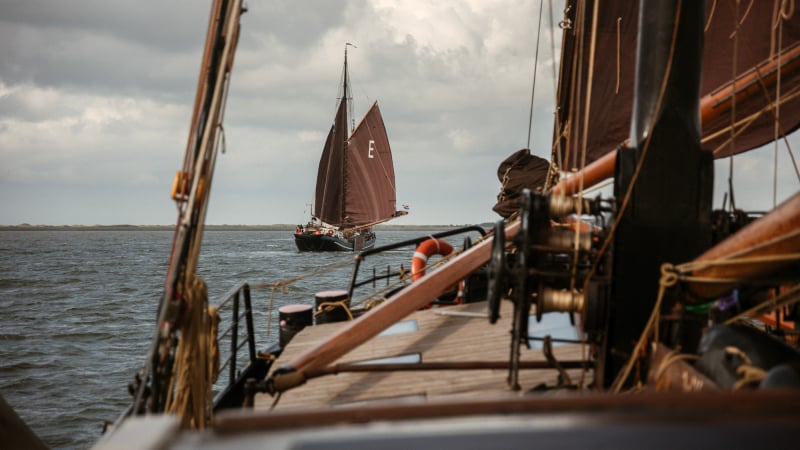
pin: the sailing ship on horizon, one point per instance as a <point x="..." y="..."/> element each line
<point x="355" y="187"/>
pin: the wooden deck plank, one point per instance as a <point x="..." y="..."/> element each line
<point x="440" y="338"/>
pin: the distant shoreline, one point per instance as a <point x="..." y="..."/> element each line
<point x="274" y="227"/>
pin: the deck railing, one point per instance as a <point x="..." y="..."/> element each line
<point x="235" y="296"/>
<point x="389" y="274"/>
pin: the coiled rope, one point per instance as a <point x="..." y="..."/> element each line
<point x="197" y="359"/>
<point x="671" y="275"/>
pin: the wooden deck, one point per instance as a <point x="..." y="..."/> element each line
<point x="441" y="336"/>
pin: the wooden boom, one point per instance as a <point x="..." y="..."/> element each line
<point x="773" y="235"/>
<point x="408" y="300"/>
<point x="712" y="106"/>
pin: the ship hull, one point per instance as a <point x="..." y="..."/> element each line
<point x="309" y="242"/>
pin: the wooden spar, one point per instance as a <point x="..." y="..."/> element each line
<point x="201" y="88"/>
<point x="376" y="222"/>
<point x="592" y="174"/>
<point x="408" y="300"/>
<point x="775" y="234"/>
<point x="712" y="106"/>
<point x="223" y="29"/>
<point x="749" y="84"/>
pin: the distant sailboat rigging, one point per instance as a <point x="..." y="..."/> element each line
<point x="355" y="183"/>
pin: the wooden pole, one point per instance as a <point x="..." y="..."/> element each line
<point x="777" y="233"/>
<point x="749" y="84"/>
<point x="408" y="300"/>
<point x="712" y="106"/>
<point x="594" y="173"/>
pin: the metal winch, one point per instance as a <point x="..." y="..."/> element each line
<point x="559" y="261"/>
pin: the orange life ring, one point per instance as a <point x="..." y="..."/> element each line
<point x="330" y="232"/>
<point x="425" y="250"/>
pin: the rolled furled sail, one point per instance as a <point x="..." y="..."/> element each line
<point x="754" y="40"/>
<point x="369" y="172"/>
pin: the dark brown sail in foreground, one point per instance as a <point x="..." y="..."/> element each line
<point x="754" y="40"/>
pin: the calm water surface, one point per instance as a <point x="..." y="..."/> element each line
<point x="79" y="310"/>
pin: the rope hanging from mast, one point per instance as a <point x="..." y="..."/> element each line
<point x="535" y="65"/>
<point x="181" y="324"/>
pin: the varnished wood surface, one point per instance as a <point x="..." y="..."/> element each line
<point x="399" y="305"/>
<point x="441" y="337"/>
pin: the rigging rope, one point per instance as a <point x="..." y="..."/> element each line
<point x="330" y="306"/>
<point x="645" y="147"/>
<point x="670" y="359"/>
<point x="535" y="65"/>
<point x="732" y="139"/>
<point x="555" y="148"/>
<point x="616" y="86"/>
<point x="283" y="285"/>
<point x="584" y="134"/>
<point x="671" y="275"/>
<point x="197" y="360"/>
<point x="669" y="278"/>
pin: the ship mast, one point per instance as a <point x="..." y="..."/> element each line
<point x="346" y="135"/>
<point x="154" y="386"/>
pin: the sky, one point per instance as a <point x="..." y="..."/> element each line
<point x="96" y="97"/>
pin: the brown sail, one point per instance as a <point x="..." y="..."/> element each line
<point x="369" y="189"/>
<point x="355" y="180"/>
<point x="328" y="204"/>
<point x="355" y="183"/>
<point x="608" y="97"/>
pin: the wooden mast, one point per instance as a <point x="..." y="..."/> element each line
<point x="201" y="153"/>
<point x="345" y="136"/>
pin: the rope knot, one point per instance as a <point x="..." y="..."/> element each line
<point x="669" y="275"/>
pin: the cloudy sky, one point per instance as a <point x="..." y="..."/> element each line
<point x="95" y="101"/>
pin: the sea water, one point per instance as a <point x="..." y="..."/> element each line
<point x="79" y="310"/>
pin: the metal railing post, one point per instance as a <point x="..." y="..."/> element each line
<point x="234" y="337"/>
<point x="251" y="336"/>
